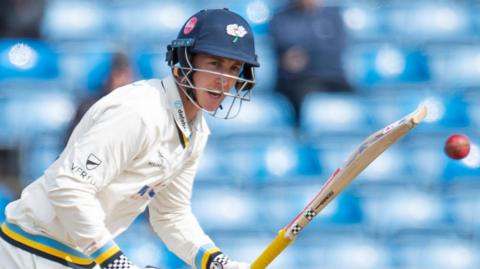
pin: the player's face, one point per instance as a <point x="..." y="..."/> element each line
<point x="208" y="100"/>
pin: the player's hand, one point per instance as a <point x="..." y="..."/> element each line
<point x="236" y="265"/>
<point x="222" y="261"/>
<point x="230" y="265"/>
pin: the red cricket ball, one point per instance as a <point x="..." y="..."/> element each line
<point x="457" y="146"/>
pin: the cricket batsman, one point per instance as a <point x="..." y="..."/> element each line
<point x="137" y="147"/>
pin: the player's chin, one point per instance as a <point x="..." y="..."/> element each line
<point x="212" y="101"/>
<point x="211" y="105"/>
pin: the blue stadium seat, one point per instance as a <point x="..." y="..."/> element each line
<point x="85" y="65"/>
<point x="36" y="117"/>
<point x="77" y="20"/>
<point x="462" y="205"/>
<point x="446" y="112"/>
<point x="385" y="65"/>
<point x="442" y="252"/>
<point x="278" y="205"/>
<point x="266" y="74"/>
<point x="6" y="196"/>
<point x="474" y="111"/>
<point x="352" y="252"/>
<point x="37" y="155"/>
<point x="422" y="21"/>
<point x="426" y="159"/>
<point x="211" y="167"/>
<point x="309" y="251"/>
<point x="474" y="9"/>
<point x="5" y="138"/>
<point x="143" y="247"/>
<point x="153" y="21"/>
<point x="150" y="61"/>
<point x="323" y="114"/>
<point x="268" y="160"/>
<point x="391" y="210"/>
<point x="34" y="107"/>
<point x="455" y="66"/>
<point x="27" y="59"/>
<point x="225" y="208"/>
<point x="366" y="21"/>
<point x="254" y="160"/>
<point x="267" y="114"/>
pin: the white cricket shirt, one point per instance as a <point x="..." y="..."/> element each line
<point x="132" y="149"/>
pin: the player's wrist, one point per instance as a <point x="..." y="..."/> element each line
<point x="110" y="256"/>
<point x="211" y="257"/>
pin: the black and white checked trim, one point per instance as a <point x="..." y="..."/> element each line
<point x="310" y="214"/>
<point x="296" y="229"/>
<point x="222" y="259"/>
<point x="121" y="262"/>
<point x="219" y="261"/>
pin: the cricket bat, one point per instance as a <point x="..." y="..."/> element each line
<point x="361" y="157"/>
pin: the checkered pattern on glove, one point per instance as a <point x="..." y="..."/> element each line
<point x="236" y="265"/>
<point x="222" y="261"/>
<point x="219" y="261"/>
<point x="118" y="261"/>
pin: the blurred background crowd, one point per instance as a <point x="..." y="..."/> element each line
<point x="332" y="72"/>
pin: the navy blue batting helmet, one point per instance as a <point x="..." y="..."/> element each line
<point x="216" y="32"/>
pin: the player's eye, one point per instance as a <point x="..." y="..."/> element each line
<point x="236" y="68"/>
<point x="213" y="63"/>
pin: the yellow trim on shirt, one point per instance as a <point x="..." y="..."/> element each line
<point x="43" y="248"/>
<point x="107" y="254"/>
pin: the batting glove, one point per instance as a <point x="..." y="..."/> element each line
<point x="221" y="261"/>
<point x="236" y="265"/>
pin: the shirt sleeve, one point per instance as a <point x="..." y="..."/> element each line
<point x="107" y="140"/>
<point x="172" y="219"/>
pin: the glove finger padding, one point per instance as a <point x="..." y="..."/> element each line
<point x="223" y="262"/>
<point x="236" y="265"/>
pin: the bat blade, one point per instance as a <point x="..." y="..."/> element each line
<point x="361" y="157"/>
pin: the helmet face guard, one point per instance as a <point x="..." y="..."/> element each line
<point x="232" y="98"/>
<point x="220" y="33"/>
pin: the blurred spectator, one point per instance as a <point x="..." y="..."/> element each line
<point x="308" y="39"/>
<point x="121" y="73"/>
<point x="21" y="18"/>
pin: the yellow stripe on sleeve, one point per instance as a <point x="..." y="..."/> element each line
<point x="207" y="255"/>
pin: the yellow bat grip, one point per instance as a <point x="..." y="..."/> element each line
<point x="272" y="251"/>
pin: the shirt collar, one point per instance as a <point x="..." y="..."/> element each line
<point x="176" y="106"/>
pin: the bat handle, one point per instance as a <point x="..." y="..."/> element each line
<point x="272" y="251"/>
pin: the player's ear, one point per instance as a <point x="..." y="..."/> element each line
<point x="176" y="71"/>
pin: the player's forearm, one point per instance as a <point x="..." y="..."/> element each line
<point x="83" y="221"/>
<point x="79" y="212"/>
<point x="182" y="234"/>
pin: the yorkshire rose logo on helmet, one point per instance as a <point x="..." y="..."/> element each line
<point x="190" y="25"/>
<point x="236" y="30"/>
